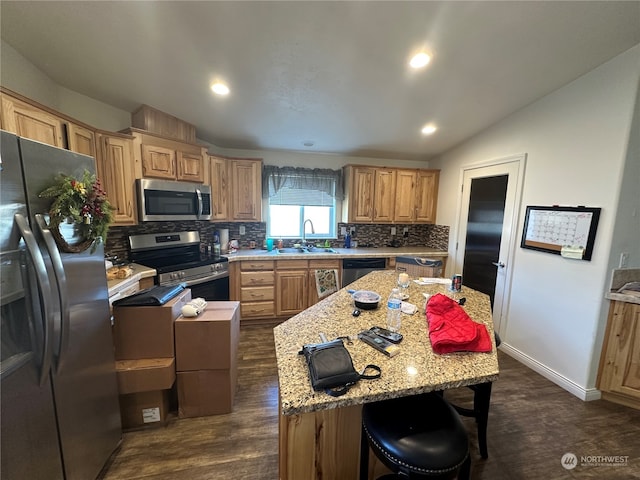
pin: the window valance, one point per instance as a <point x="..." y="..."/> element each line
<point x="319" y="179"/>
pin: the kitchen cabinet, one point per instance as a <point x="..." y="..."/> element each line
<point x="416" y="196"/>
<point x="256" y="289"/>
<point x="117" y="174"/>
<point x="220" y="188"/>
<point x="31" y="121"/>
<point x="81" y="139"/>
<point x="619" y="372"/>
<point x="360" y="193"/>
<point x="384" y="194"/>
<point x="167" y="159"/>
<point x="246" y="189"/>
<point x="292" y="287"/>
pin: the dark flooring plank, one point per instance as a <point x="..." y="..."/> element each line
<point x="532" y="424"/>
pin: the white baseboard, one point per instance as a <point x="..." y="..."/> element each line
<point x="586" y="394"/>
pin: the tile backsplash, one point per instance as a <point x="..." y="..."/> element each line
<point x="366" y="235"/>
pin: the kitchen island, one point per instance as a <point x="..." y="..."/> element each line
<point x="320" y="434"/>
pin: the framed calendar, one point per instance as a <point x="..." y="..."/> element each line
<point x="559" y="229"/>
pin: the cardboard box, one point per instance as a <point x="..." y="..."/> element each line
<point x="205" y="392"/>
<point x="210" y="340"/>
<point x="144" y="408"/>
<point x="145" y="374"/>
<point x="147" y="332"/>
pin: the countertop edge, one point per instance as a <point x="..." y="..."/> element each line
<point x="341" y="253"/>
<point x="139" y="272"/>
<point x="621" y="297"/>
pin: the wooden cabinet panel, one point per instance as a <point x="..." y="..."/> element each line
<point x="405" y="207"/>
<point x="116" y="172"/>
<point x="426" y="195"/>
<point x="251" y="310"/>
<point x="220" y="188"/>
<point x="81" y="140"/>
<point x="252" y="279"/>
<point x="31" y="122"/>
<point x="246" y="189"/>
<point x="158" y="162"/>
<point x="291" y="292"/>
<point x="361" y="194"/>
<point x="619" y="377"/>
<point x="190" y="167"/>
<point x="256" y="294"/>
<point x="385" y="193"/>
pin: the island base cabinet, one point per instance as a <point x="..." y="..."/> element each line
<point x="321" y="445"/>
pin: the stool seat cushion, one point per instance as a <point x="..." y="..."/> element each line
<point x="421" y="434"/>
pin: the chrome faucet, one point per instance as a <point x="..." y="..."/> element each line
<point x="304" y="241"/>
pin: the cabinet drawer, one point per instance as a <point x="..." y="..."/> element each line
<point x="251" y="279"/>
<point x="254" y="294"/>
<point x="291" y="264"/>
<point x="256" y="265"/>
<point x="325" y="264"/>
<point x="257" y="309"/>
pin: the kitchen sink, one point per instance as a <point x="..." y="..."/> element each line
<point x="299" y="250"/>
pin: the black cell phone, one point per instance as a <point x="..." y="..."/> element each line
<point x="388" y="334"/>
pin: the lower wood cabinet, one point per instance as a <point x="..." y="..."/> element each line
<point x="292" y="294"/>
<point x="619" y="373"/>
<point x="256" y="289"/>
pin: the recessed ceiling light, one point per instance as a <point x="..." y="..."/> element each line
<point x="220" y="89"/>
<point x="308" y="143"/>
<point x="429" y="129"/>
<point x="419" y="60"/>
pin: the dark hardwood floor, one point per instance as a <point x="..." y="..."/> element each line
<point x="532" y="424"/>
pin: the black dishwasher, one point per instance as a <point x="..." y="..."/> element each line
<point x="354" y="268"/>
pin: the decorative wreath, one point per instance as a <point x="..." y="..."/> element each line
<point x="83" y="203"/>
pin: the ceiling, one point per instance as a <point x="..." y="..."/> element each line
<point x="334" y="74"/>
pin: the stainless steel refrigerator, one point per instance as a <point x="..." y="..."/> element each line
<point x="60" y="417"/>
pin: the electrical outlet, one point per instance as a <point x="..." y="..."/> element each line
<point x="343" y="231"/>
<point x="624" y="260"/>
<point x="405" y="230"/>
<point x="242" y="230"/>
<point x="393" y="230"/>
<point x="352" y="230"/>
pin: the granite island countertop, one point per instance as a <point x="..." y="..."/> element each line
<point x="340" y="253"/>
<point x="415" y="370"/>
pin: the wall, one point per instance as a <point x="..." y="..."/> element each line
<point x="576" y="140"/>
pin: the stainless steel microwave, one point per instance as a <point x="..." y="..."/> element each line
<point x="161" y="200"/>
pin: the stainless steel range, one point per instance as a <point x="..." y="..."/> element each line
<point x="177" y="259"/>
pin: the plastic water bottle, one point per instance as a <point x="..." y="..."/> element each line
<point x="394" y="313"/>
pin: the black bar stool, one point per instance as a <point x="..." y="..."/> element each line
<point x="418" y="437"/>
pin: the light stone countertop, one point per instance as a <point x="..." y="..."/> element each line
<point x="382" y="252"/>
<point x="139" y="272"/>
<point x="415" y="370"/>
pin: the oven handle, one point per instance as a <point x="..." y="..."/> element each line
<point x="198" y="281"/>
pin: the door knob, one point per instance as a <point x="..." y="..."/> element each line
<point x="498" y="264"/>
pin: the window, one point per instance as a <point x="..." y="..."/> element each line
<point x="298" y="194"/>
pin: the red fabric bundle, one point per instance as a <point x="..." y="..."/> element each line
<point x="451" y="329"/>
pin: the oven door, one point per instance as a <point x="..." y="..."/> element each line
<point x="210" y="288"/>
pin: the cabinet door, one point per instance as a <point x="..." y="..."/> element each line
<point x="426" y="195"/>
<point x="81" y="140"/>
<point x="116" y="173"/>
<point x="190" y="167"/>
<point x="361" y="195"/>
<point x="246" y="189"/>
<point x="219" y="188"/>
<point x="158" y="162"/>
<point x="291" y="292"/>
<point x="30" y="122"/>
<point x="405" y="207"/>
<point x="385" y="193"/>
<point x="621" y="372"/>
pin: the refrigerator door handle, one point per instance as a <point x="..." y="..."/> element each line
<point x="61" y="280"/>
<point x="44" y="287"/>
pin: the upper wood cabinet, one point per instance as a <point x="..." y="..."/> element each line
<point x="116" y="171"/>
<point x="246" y="189"/>
<point x="416" y="196"/>
<point x="167" y="159"/>
<point x="81" y="139"/>
<point x="32" y="122"/>
<point x="220" y="188"/>
<point x="386" y="195"/>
